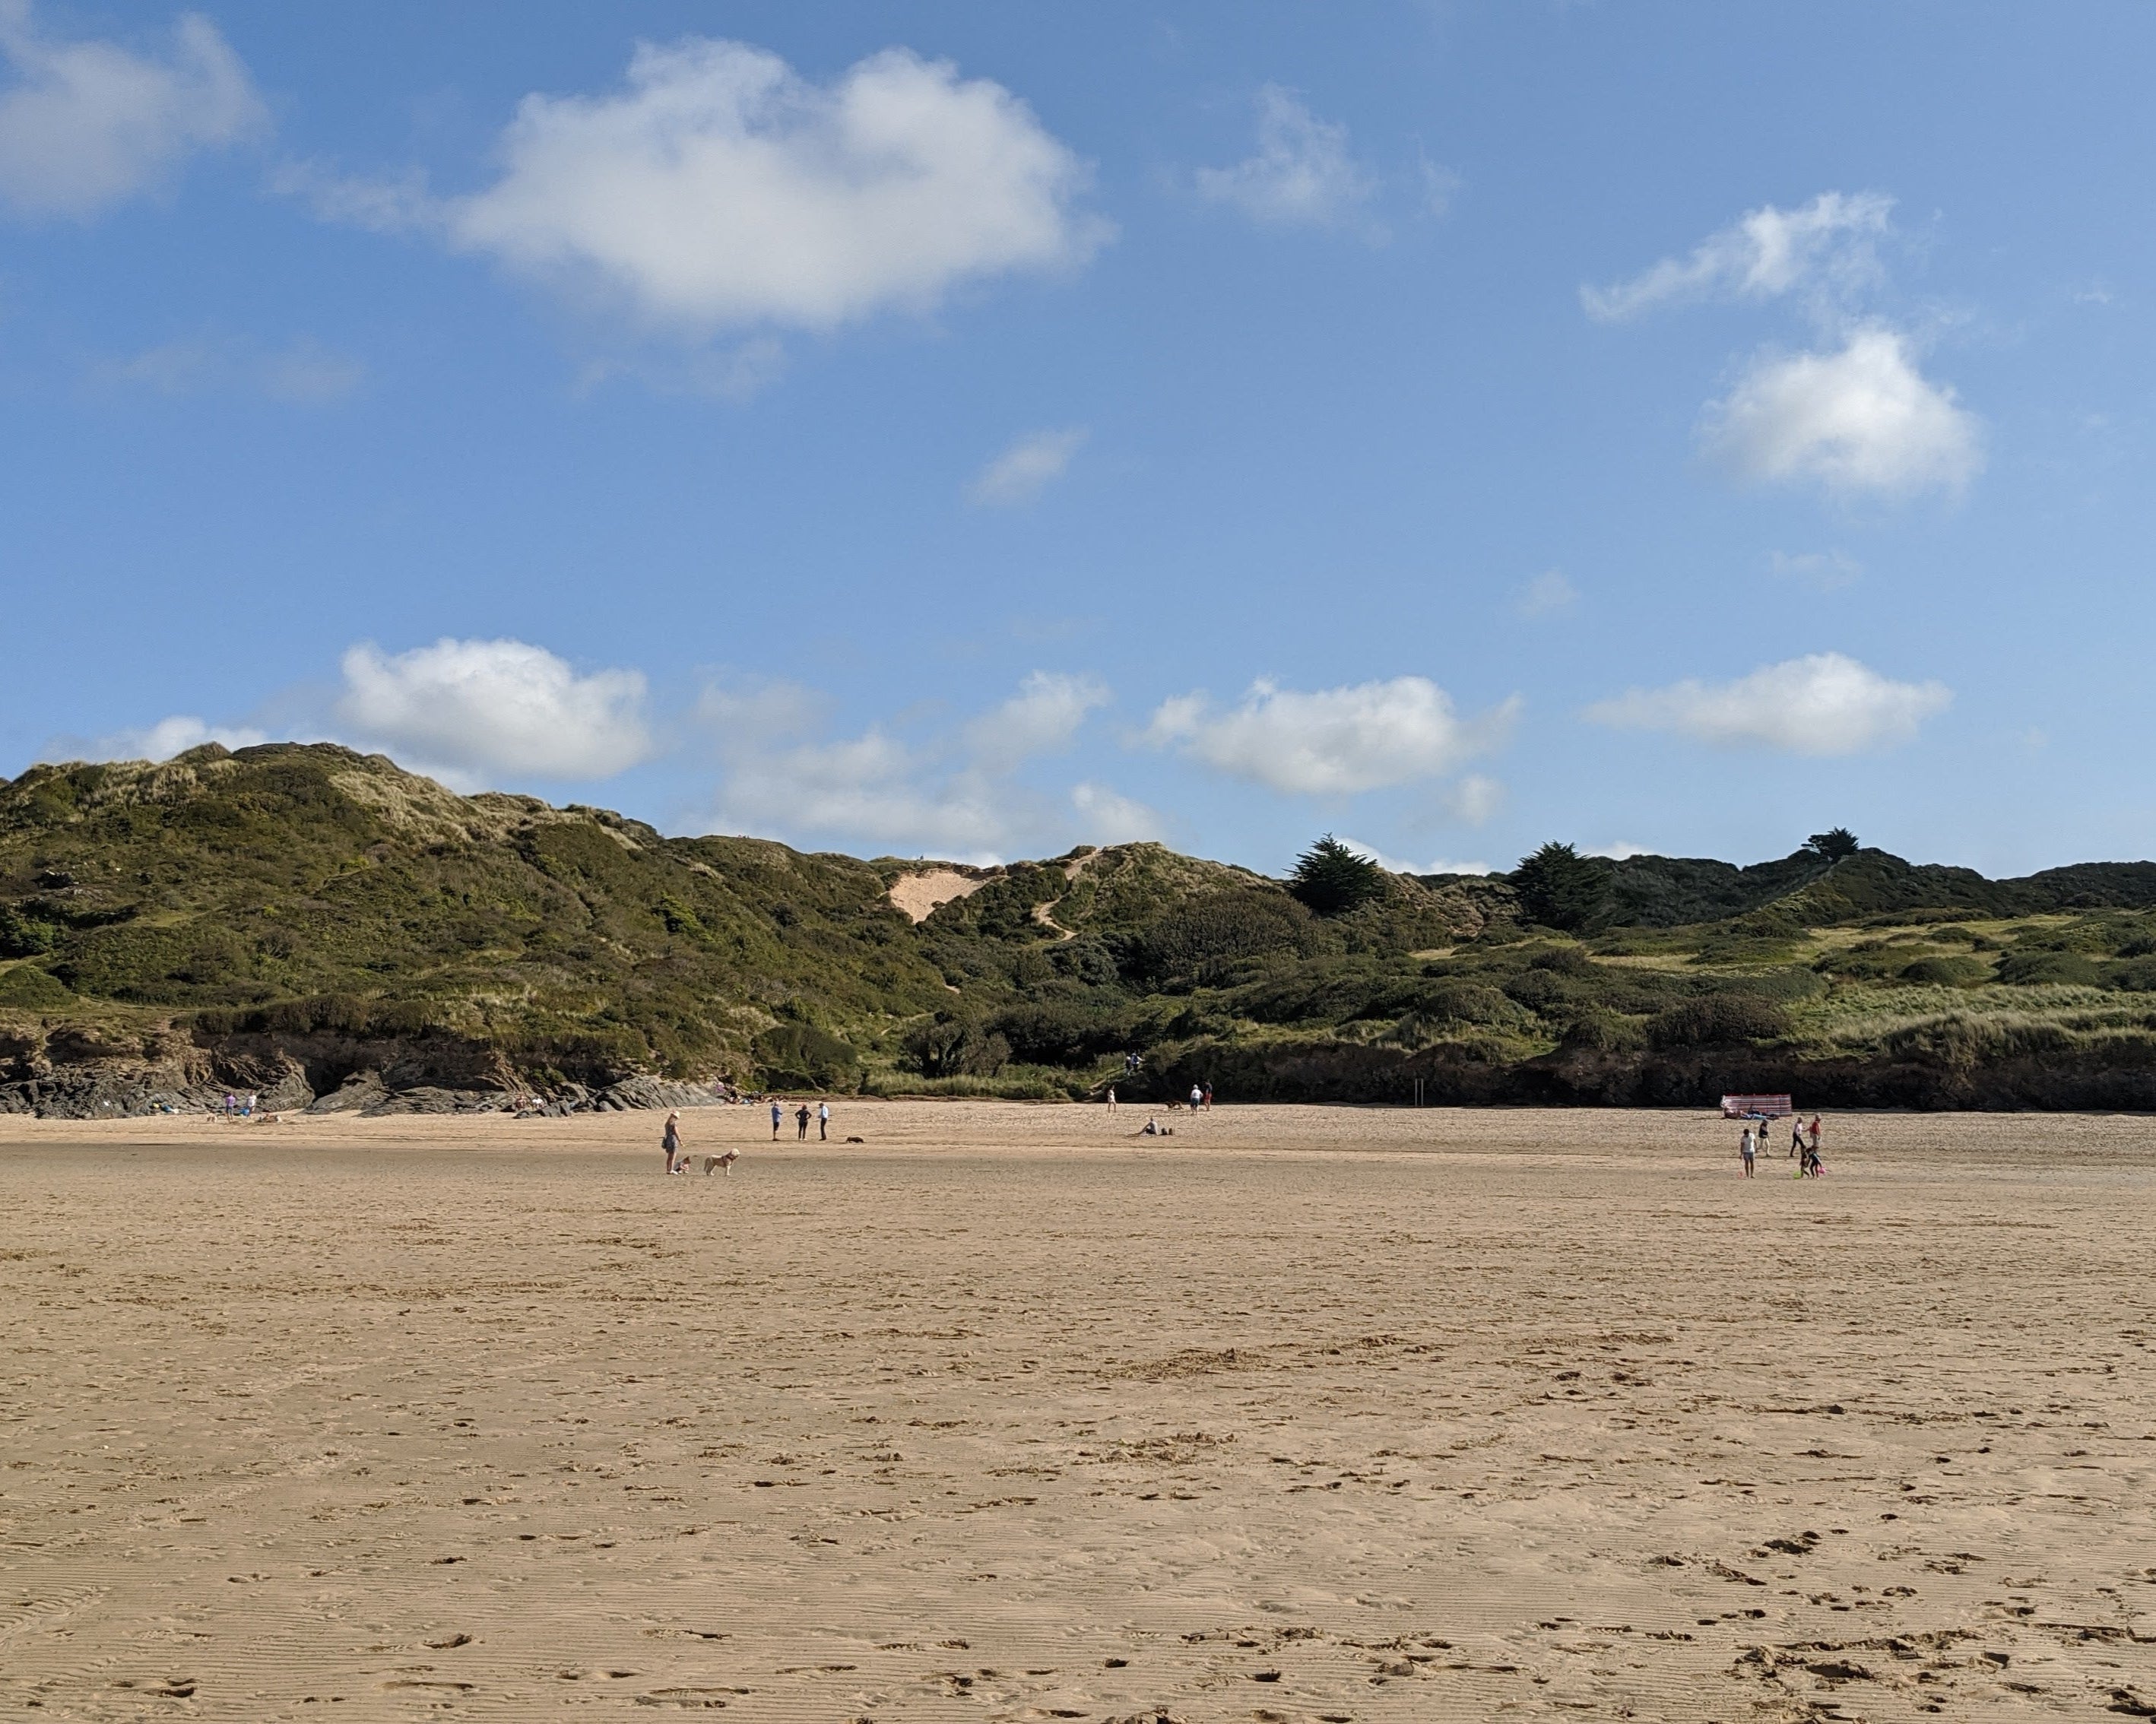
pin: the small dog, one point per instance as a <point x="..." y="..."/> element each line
<point x="726" y="1163"/>
<point x="857" y="1140"/>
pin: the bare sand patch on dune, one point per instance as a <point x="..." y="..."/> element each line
<point x="1302" y="1414"/>
<point x="918" y="894"/>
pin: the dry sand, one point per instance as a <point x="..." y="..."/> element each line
<point x="1303" y="1413"/>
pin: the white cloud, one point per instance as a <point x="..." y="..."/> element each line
<point x="1330" y="741"/>
<point x="720" y="188"/>
<point x="1104" y="818"/>
<point x="951" y="796"/>
<point x="173" y="736"/>
<point x="86" y="125"/>
<point x="1861" y="419"/>
<point x="1474" y="800"/>
<point x="1550" y="594"/>
<point x="872" y="788"/>
<point x="1394" y="864"/>
<point x="1017" y="475"/>
<point x="1302" y="173"/>
<point x="1824" y="570"/>
<point x="1043" y="717"/>
<point x="1621" y="852"/>
<point x="1825" y="704"/>
<point x="465" y="709"/>
<point x="1766" y="253"/>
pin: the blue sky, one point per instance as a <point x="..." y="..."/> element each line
<point x="973" y="430"/>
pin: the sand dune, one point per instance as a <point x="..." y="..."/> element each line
<point x="1309" y="1414"/>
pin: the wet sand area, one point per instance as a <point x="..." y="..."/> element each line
<point x="1310" y="1414"/>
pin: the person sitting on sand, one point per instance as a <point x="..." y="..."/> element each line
<point x="672" y="1142"/>
<point x="1152" y="1128"/>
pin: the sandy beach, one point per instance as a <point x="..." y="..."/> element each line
<point x="1301" y="1414"/>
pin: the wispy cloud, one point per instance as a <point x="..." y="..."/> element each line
<point x="1020" y="473"/>
<point x="1302" y="173"/>
<point x="1767" y="251"/>
<point x="302" y="371"/>
<point x="1549" y="594"/>
<point x="88" y="125"/>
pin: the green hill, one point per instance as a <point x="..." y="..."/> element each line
<point x="325" y="929"/>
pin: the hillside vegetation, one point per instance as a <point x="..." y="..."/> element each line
<point x="330" y="930"/>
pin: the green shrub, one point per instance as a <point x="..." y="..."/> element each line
<point x="1203" y="941"/>
<point x="27" y="989"/>
<point x="2023" y="968"/>
<point x="799" y="1056"/>
<point x="1718" y="1021"/>
<point x="22" y="935"/>
<point x="1597" y="1031"/>
<point x="953" y="1045"/>
<point x="1955" y="972"/>
<point x="1045" y="1034"/>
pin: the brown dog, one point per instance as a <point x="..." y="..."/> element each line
<point x="725" y="1162"/>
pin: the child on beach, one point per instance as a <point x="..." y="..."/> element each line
<point x="1745" y="1149"/>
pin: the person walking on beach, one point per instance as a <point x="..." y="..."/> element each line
<point x="1796" y="1135"/>
<point x="1208" y="1098"/>
<point x="777" y="1113"/>
<point x="1111" y="1098"/>
<point x="672" y="1141"/>
<point x="801" y="1123"/>
<point x="1744" y="1149"/>
<point x="822" y="1122"/>
<point x="1197" y="1098"/>
<point x="1813" y="1134"/>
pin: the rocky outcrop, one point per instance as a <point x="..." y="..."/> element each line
<point x="69" y="1072"/>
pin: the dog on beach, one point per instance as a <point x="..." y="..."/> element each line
<point x="724" y="1161"/>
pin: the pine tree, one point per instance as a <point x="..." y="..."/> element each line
<point x="1560" y="888"/>
<point x="1331" y="879"/>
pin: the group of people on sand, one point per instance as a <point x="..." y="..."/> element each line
<point x="678" y="1160"/>
<point x="1201" y="1101"/>
<point x="801" y="1118"/>
<point x="1803" y="1146"/>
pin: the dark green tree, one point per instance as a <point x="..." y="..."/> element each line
<point x="1331" y="879"/>
<point x="1832" y="845"/>
<point x="1560" y="888"/>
